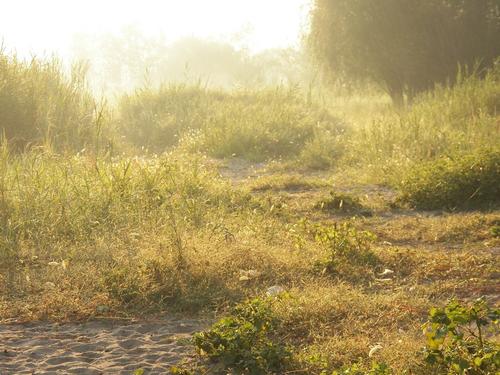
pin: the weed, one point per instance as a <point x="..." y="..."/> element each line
<point x="244" y="342"/>
<point x="456" y="340"/>
<point x="376" y="369"/>
<point x="345" y="247"/>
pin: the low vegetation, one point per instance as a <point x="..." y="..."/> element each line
<point x="446" y="121"/>
<point x="41" y="104"/>
<point x="248" y="341"/>
<point x="316" y="254"/>
<point x="340" y="203"/>
<point x="458" y="181"/>
<point x="256" y="125"/>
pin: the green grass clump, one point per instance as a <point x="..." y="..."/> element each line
<point x="256" y="125"/>
<point x="158" y="119"/>
<point x="41" y="104"/>
<point x="449" y="119"/>
<point x="462" y="181"/>
<point x="340" y="203"/>
<point x="48" y="197"/>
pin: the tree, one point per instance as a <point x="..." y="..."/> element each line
<point x="407" y="46"/>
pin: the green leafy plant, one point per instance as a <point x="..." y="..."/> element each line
<point x="175" y="370"/>
<point x="456" y="340"/>
<point x="345" y="245"/>
<point x="244" y="342"/>
<point x="495" y="231"/>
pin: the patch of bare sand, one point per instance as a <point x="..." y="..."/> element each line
<point x="97" y="347"/>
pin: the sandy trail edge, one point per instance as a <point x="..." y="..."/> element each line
<point x="96" y="347"/>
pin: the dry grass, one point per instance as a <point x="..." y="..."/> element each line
<point x="90" y="235"/>
<point x="189" y="252"/>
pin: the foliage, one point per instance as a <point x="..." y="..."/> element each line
<point x="41" y="104"/>
<point x="446" y="121"/>
<point x="244" y="342"/>
<point x="404" y="44"/>
<point x="345" y="247"/>
<point x="495" y="231"/>
<point x="256" y="125"/>
<point x="322" y="150"/>
<point x="456" y="339"/>
<point x="461" y="181"/>
<point x="126" y="60"/>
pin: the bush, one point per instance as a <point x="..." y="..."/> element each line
<point x="456" y="340"/>
<point x="347" y="249"/>
<point x="255" y="125"/>
<point x="244" y="342"/>
<point x="462" y="181"/>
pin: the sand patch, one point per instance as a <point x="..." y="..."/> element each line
<point x="98" y="347"/>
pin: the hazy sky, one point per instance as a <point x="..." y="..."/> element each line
<point x="47" y="26"/>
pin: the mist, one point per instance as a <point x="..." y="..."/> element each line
<point x="118" y="62"/>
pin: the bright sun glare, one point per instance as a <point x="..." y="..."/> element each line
<point x="46" y="27"/>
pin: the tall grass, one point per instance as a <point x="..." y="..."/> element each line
<point x="48" y="198"/>
<point x="159" y="233"/>
<point x="447" y="120"/>
<point x="41" y="104"/>
<point x="256" y="125"/>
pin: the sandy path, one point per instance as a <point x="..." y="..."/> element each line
<point x="99" y="347"/>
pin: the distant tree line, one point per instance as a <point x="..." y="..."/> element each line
<point x="130" y="59"/>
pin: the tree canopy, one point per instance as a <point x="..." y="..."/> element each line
<point x="405" y="45"/>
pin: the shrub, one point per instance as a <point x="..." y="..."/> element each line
<point x="345" y="247"/>
<point x="256" y="125"/>
<point x="462" y="181"/>
<point x="244" y="342"/>
<point x="456" y="340"/>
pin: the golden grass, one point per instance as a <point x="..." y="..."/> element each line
<point x="96" y="234"/>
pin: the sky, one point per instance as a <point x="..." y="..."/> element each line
<point x="45" y="27"/>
